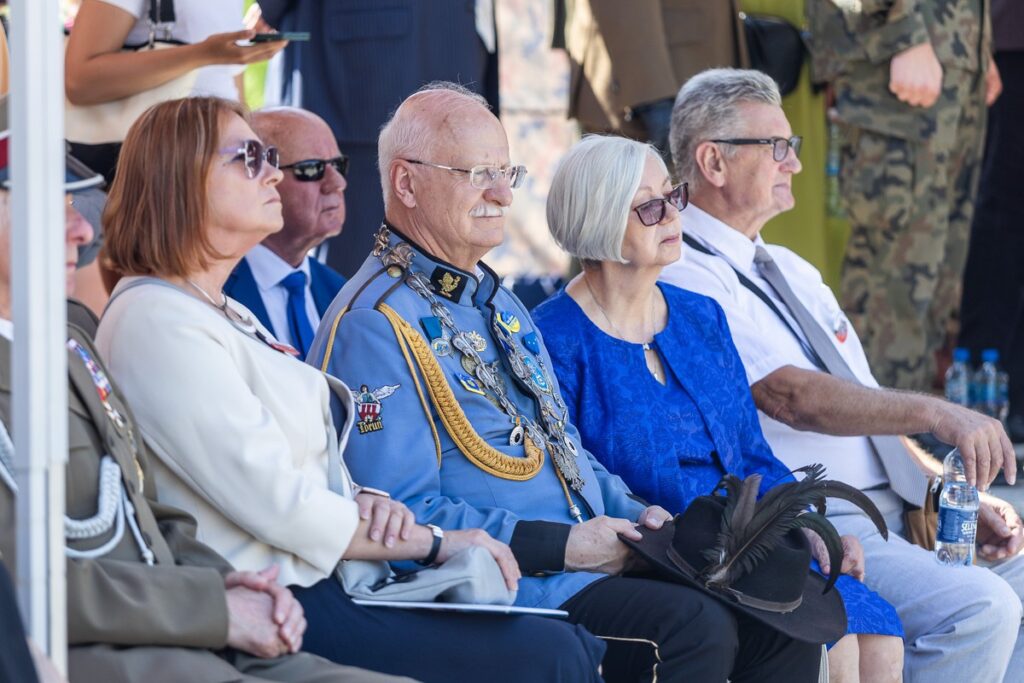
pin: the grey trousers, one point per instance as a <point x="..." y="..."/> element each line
<point x="961" y="623"/>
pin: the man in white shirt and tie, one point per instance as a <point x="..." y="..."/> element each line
<point x="817" y="398"/>
<point x="284" y="287"/>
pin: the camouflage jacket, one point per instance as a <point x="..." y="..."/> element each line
<point x="852" y="42"/>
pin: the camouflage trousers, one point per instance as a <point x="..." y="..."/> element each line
<point x="910" y="205"/>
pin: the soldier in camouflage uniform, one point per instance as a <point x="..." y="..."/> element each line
<point x="911" y="79"/>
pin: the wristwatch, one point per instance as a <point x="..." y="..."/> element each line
<point x="435" y="547"/>
<point x="357" y="489"/>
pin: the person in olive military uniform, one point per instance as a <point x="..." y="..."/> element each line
<point x="911" y="80"/>
<point x="146" y="600"/>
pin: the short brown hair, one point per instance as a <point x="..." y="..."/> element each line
<point x="156" y="209"/>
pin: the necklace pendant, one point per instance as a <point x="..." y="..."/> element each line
<point x="647" y="346"/>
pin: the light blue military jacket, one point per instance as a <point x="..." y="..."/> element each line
<point x="452" y="462"/>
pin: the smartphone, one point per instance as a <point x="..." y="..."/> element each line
<point x="286" y="35"/>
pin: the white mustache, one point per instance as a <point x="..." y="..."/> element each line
<point x="487" y="211"/>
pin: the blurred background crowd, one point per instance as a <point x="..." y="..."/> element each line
<point x="555" y="69"/>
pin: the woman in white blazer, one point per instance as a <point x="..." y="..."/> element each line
<point x="248" y="437"/>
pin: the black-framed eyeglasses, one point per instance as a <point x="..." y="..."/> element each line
<point x="780" y="146"/>
<point x="653" y="211"/>
<point x="253" y="153"/>
<point x="312" y="170"/>
<point x="483" y="177"/>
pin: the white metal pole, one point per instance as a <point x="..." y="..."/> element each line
<point x="40" y="414"/>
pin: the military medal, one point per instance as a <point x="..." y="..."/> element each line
<point x="547" y="431"/>
<point x="104" y="390"/>
<point x="518" y="434"/>
<point x="469" y="384"/>
<point x="509" y="321"/>
<point x="477" y="340"/>
<point x="537" y="376"/>
<point x="439" y="341"/>
<point x="531" y="343"/>
<point x="442" y="347"/>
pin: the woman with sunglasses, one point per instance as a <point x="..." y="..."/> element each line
<point x="247" y="436"/>
<point x="649" y="372"/>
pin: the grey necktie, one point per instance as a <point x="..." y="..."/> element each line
<point x="904" y="477"/>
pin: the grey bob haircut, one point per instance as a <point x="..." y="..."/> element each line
<point x="591" y="192"/>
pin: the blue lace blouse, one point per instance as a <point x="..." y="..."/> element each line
<point x="673" y="442"/>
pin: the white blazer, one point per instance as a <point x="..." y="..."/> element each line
<point x="241" y="431"/>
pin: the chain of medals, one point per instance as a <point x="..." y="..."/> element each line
<point x="553" y="412"/>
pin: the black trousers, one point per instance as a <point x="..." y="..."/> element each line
<point x="992" y="310"/>
<point x="667" y="632"/>
<point x="445" y="646"/>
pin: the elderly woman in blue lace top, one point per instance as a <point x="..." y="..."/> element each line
<point x="650" y="373"/>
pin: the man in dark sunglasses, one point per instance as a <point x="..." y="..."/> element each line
<point x="286" y="288"/>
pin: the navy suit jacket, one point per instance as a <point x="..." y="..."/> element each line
<point x="363" y="58"/>
<point x="241" y="286"/>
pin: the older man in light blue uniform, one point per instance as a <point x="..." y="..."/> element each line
<point x="460" y="418"/>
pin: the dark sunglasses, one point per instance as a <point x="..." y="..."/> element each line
<point x="312" y="170"/>
<point x="252" y="153"/>
<point x="653" y="211"/>
<point x="780" y="146"/>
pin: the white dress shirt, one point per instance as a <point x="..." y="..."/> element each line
<point x="765" y="343"/>
<point x="7" y="329"/>
<point x="268" y="269"/>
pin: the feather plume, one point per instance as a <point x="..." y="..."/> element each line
<point x="751" y="529"/>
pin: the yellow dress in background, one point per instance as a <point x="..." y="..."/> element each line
<point x="807" y="229"/>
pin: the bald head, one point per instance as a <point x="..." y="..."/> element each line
<point x="313" y="209"/>
<point x="279" y="126"/>
<point x="427" y="152"/>
<point x="431" y="118"/>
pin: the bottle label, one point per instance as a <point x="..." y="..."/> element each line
<point x="956" y="526"/>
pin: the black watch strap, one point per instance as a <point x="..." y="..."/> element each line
<point x="435" y="546"/>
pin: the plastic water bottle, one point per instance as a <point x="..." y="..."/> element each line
<point x="1004" y="396"/>
<point x="958" y="515"/>
<point x="958" y="378"/>
<point x="986" y="382"/>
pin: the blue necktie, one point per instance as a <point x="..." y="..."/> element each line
<point x="298" y="322"/>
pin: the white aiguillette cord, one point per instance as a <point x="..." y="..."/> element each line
<point x="7" y="459"/>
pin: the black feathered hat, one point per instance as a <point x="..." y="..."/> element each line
<point x="752" y="555"/>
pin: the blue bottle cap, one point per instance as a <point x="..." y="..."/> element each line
<point x="961" y="355"/>
<point x="990" y="356"/>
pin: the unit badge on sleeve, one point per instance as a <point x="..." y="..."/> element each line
<point x="368" y="406"/>
<point x="840" y="328"/>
